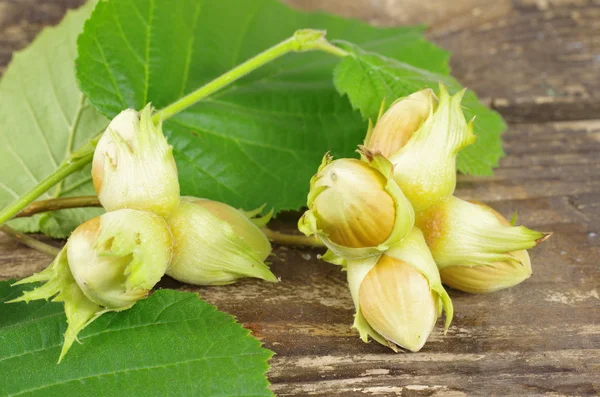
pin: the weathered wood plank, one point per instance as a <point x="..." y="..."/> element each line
<point x="534" y="61"/>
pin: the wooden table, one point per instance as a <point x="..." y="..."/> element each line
<point x="538" y="63"/>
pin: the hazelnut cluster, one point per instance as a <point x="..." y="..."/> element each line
<point x="392" y="221"/>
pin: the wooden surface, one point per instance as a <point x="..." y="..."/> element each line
<point x="538" y="63"/>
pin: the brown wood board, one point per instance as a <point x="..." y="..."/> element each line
<point x="538" y="63"/>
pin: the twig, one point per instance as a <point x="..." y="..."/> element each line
<point x="58" y="204"/>
<point x="66" y="169"/>
<point x="30" y="241"/>
<point x="92" y="201"/>
<point x="291" y="239"/>
<point x="45" y="206"/>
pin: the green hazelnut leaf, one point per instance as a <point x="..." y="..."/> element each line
<point x="261" y="139"/>
<point x="368" y="78"/>
<point x="170" y="344"/>
<point x="44" y="117"/>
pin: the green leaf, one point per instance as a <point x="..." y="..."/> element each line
<point x="44" y="116"/>
<point x="368" y="79"/>
<point x="260" y="140"/>
<point x="171" y="344"/>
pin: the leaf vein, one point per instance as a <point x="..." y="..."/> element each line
<point x="74" y="125"/>
<point x="28" y="171"/>
<point x="110" y="74"/>
<point x="148" y="44"/>
<point x="106" y="331"/>
<point x="258" y="165"/>
<point x="54" y="93"/>
<point x="76" y="185"/>
<point x="246" y="25"/>
<point x="205" y="172"/>
<point x="124" y="36"/>
<point x="253" y="111"/>
<point x="9" y="190"/>
<point x="37" y="123"/>
<point x="32" y="320"/>
<point x="126" y="370"/>
<point x="188" y="60"/>
<point x="237" y="140"/>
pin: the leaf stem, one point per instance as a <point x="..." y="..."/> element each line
<point x="65" y="169"/>
<point x="30" y="241"/>
<point x="302" y="40"/>
<point x="330" y="48"/>
<point x="291" y="239"/>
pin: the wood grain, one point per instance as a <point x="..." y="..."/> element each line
<point x="537" y="62"/>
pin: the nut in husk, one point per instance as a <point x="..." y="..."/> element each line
<point x="217" y="244"/>
<point x="108" y="264"/>
<point x="399" y="295"/>
<point x="133" y="165"/>
<point x="424" y="164"/>
<point x="399" y="123"/>
<point x="470" y="235"/>
<point x="356" y="208"/>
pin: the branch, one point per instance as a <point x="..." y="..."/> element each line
<point x="291" y="239"/>
<point x="92" y="201"/>
<point x="30" y="241"/>
<point x="59" y="204"/>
